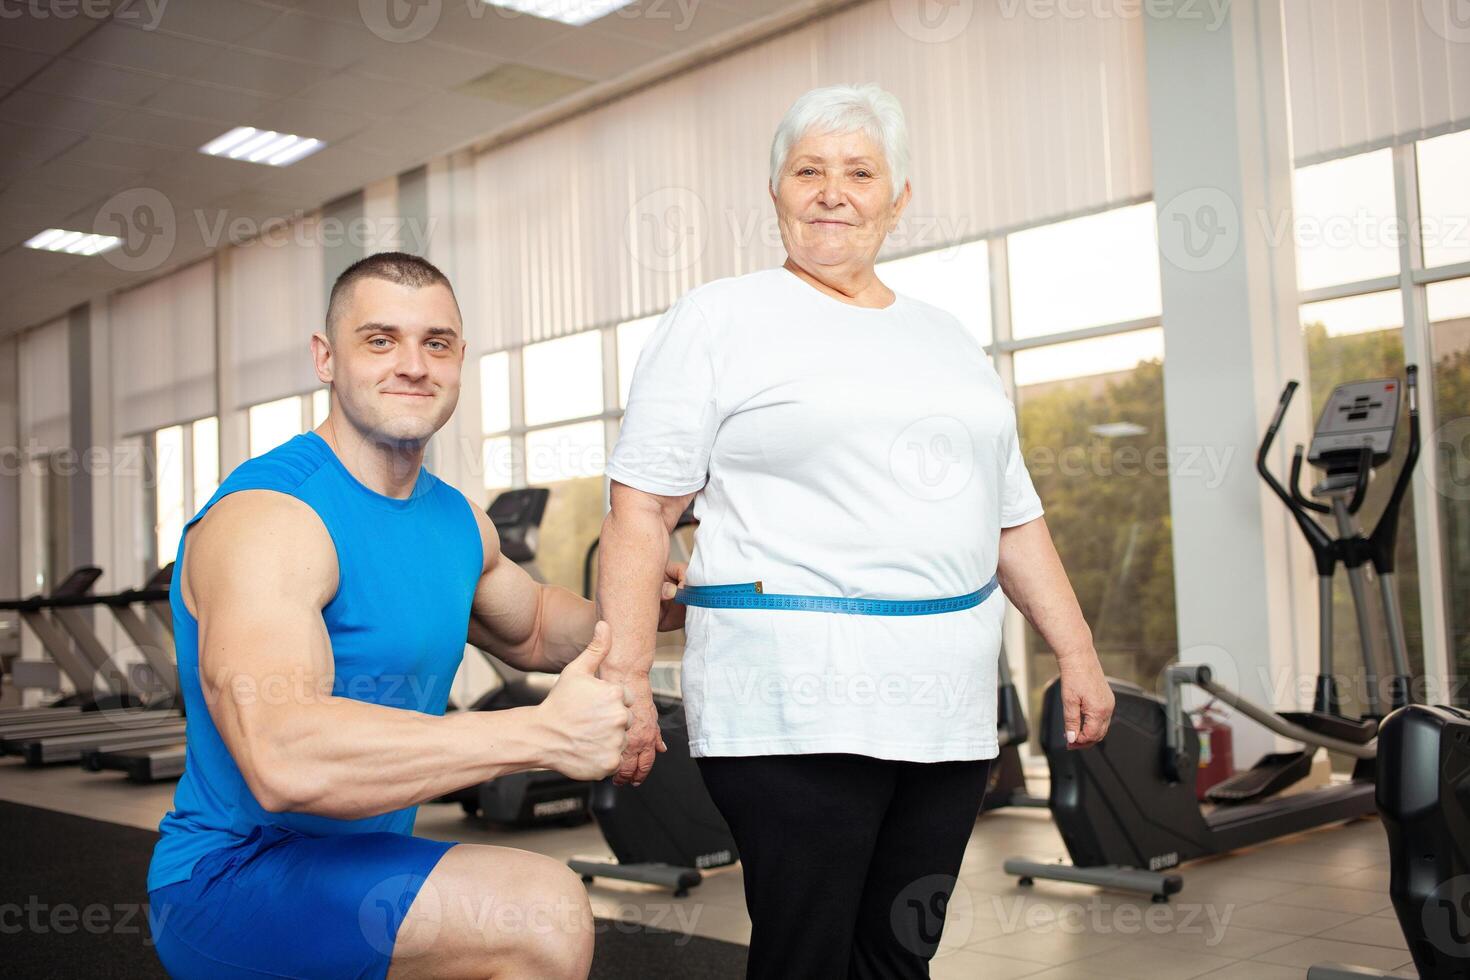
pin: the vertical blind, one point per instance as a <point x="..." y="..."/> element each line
<point x="45" y="389"/>
<point x="1366" y="73"/>
<point x="1014" y="120"/>
<point x="272" y="290"/>
<point x="163" y="352"/>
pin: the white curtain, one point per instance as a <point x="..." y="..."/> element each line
<point x="1366" y="73"/>
<point x="1014" y="120"/>
<point x="275" y="298"/>
<point x="163" y="351"/>
<point x="45" y="388"/>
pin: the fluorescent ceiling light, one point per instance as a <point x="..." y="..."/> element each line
<point x="261" y="146"/>
<point x="573" y="12"/>
<point x="73" y="242"/>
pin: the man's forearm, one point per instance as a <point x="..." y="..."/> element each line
<point x="631" y="561"/>
<point x="1032" y="578"/>
<point x="348" y="759"/>
<point x="566" y="627"/>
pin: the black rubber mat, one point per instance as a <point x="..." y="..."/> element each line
<point x="73" y="904"/>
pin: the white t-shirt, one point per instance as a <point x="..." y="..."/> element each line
<point x="837" y="451"/>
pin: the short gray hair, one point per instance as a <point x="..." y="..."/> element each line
<point x="846" y="109"/>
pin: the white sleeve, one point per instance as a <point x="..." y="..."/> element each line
<point x="669" y="424"/>
<point x="1019" y="503"/>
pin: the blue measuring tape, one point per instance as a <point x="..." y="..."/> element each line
<point x="752" y="595"/>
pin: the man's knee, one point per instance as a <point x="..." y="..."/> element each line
<point x="501" y="912"/>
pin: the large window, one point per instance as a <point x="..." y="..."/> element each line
<point x="1346" y="221"/>
<point x="1449" y="317"/>
<point x="1086" y="272"/>
<point x="1444" y="198"/>
<point x="273" y="423"/>
<point x="1353" y="339"/>
<point x="955" y="279"/>
<point x="183" y="473"/>
<point x="1091" y="419"/>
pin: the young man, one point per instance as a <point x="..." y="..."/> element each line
<point x="321" y="603"/>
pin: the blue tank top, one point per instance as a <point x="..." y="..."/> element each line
<point x="407" y="572"/>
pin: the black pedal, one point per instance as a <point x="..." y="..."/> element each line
<point x="1269" y="776"/>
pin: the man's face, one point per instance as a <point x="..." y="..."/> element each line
<point x="395" y="359"/>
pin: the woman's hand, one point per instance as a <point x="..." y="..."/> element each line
<point x="1087" y="699"/>
<point x="671" y="613"/>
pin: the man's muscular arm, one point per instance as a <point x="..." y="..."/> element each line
<point x="529" y="625"/>
<point x="258" y="569"/>
<point x="532" y="626"/>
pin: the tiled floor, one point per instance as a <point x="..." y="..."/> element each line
<point x="1261" y="914"/>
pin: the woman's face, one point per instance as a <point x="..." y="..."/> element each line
<point x="834" y="201"/>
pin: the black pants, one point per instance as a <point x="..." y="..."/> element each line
<point x="849" y="861"/>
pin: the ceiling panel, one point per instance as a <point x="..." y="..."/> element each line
<point x="91" y="108"/>
<point x="17" y="64"/>
<point x="39" y="109"/>
<point x="127" y="47"/>
<point x="47" y="35"/>
<point x="82" y="79"/>
<point x="225" y="22"/>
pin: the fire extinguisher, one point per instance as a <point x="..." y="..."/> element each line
<point x="1216" y="749"/>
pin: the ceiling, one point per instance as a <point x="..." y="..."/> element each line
<point x="100" y="98"/>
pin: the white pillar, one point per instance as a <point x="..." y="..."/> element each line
<point x="1245" y="586"/>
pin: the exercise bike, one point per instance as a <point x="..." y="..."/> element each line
<point x="1424" y="802"/>
<point x="1126" y="808"/>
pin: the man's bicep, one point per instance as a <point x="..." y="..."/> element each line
<point x="507" y="604"/>
<point x="261" y="571"/>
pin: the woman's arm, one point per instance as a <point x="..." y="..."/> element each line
<point x="1032" y="577"/>
<point x="631" y="560"/>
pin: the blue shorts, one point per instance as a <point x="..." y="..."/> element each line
<point x="280" y="904"/>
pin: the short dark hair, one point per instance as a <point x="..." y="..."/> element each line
<point x="396" y="267"/>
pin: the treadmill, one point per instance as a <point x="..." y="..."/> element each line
<point x="130" y="715"/>
<point x="150" y="756"/>
<point x="64" y="661"/>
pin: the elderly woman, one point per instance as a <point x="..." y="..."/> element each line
<point x="853" y="452"/>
